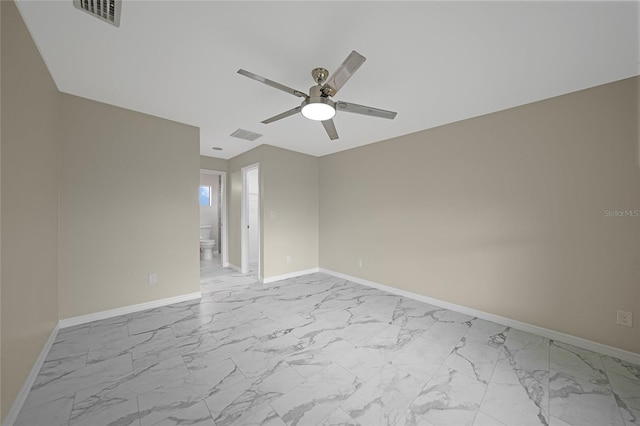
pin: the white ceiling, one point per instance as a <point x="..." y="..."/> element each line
<point x="432" y="62"/>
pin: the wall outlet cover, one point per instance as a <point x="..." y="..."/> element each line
<point x="153" y="278"/>
<point x="625" y="318"/>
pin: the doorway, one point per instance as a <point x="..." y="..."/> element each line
<point x="213" y="212"/>
<point x="251" y="219"/>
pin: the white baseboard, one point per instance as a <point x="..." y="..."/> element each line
<point x="289" y="275"/>
<point x="82" y="319"/>
<point x="530" y="328"/>
<point x="12" y="415"/>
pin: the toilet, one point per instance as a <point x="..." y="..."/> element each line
<point x="206" y="243"/>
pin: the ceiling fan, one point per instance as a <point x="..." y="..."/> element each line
<point x="317" y="105"/>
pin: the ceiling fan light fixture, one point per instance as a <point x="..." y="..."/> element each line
<point x="318" y="109"/>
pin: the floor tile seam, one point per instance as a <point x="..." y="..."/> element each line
<point x="606" y="386"/>
<point x="486" y="389"/>
<point x="138" y="406"/>
<point x="615" y="394"/>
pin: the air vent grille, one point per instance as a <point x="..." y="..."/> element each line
<point x="106" y="10"/>
<point x="246" y="135"/>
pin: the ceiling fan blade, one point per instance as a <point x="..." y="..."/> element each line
<point x="365" y="110"/>
<point x="272" y="83"/>
<point x="282" y="115"/>
<point x="343" y="73"/>
<point x="330" y="128"/>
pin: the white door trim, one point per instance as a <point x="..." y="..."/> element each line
<point x="244" y="222"/>
<point x="224" y="245"/>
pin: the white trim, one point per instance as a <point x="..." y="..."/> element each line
<point x="224" y="237"/>
<point x="12" y="415"/>
<point x="289" y="275"/>
<point x="244" y="219"/>
<point x="82" y="319"/>
<point x="530" y="328"/>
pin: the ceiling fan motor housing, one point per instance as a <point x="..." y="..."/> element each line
<point x="317" y="102"/>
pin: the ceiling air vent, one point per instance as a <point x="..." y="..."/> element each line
<point x="246" y="135"/>
<point x="106" y="10"/>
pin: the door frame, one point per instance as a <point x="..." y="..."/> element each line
<point x="224" y="245"/>
<point x="244" y="222"/>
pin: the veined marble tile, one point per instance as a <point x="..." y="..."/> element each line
<point x="527" y="339"/>
<point x="196" y="415"/>
<point x="384" y="399"/>
<point x="122" y="320"/>
<point x="627" y="394"/>
<point x="263" y="356"/>
<point x="487" y="332"/>
<point x="622" y="368"/>
<point x="582" y="400"/>
<point x="62" y="349"/>
<point x="483" y="419"/>
<point x="577" y="362"/>
<point x="392" y="339"/>
<point x="264" y="416"/>
<point x="198" y="323"/>
<point x="311" y="401"/>
<point x="146" y="324"/>
<point x="317" y="354"/>
<point x="250" y="400"/>
<point x="316" y="325"/>
<point x="79" y="380"/>
<point x="55" y="368"/>
<point x="450" y="398"/>
<point x="523" y="355"/>
<point x="447" y="333"/>
<point x="108" y="411"/>
<point x="359" y="334"/>
<point x="101" y="351"/>
<point x="215" y="351"/>
<point x="422" y="358"/>
<point x="412" y="419"/>
<point x="156" y="350"/>
<point x="365" y="362"/>
<point x="281" y="327"/>
<point x="445" y="315"/>
<point x="476" y="360"/>
<point x="76" y="330"/>
<point x="517" y="397"/>
<point x="338" y="418"/>
<point x="322" y="342"/>
<point x="137" y="383"/>
<point x="554" y="421"/>
<point x="174" y="397"/>
<point x="55" y="412"/>
<point x="228" y="325"/>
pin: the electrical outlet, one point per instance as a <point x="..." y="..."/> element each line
<point x="359" y="263"/>
<point x="625" y="318"/>
<point x="153" y="278"/>
<point x="289" y="259"/>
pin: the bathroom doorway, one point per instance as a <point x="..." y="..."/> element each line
<point x="213" y="218"/>
<point x="251" y="219"/>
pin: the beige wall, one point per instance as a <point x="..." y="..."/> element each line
<point x="29" y="219"/>
<point x="211" y="163"/>
<point x="129" y="207"/>
<point x="289" y="190"/>
<point x="504" y="213"/>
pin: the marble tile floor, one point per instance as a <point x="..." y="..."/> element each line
<point x="318" y="350"/>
